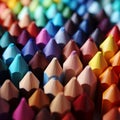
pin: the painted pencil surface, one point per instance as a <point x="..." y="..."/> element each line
<point x="68" y="116"/>
<point x="4" y="106"/>
<point x="59" y="60"/>
<point x="83" y="107"/>
<point x="4" y="72"/>
<point x="23" y="111"/>
<point x="43" y="114"/>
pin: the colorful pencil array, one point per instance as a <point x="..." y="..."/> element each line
<point x="59" y="60"/>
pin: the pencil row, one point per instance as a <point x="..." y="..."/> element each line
<point x="59" y="60"/>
